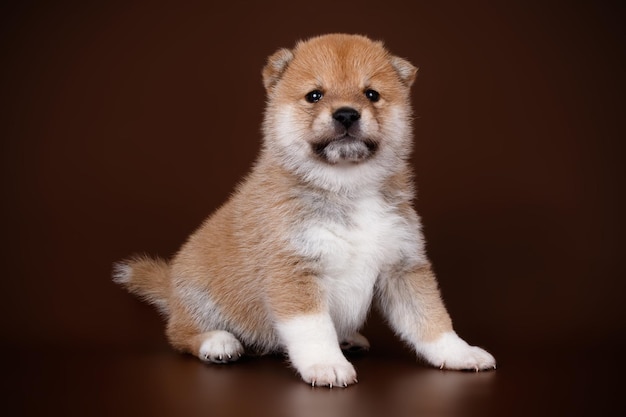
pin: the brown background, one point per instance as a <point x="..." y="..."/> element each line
<point x="124" y="125"/>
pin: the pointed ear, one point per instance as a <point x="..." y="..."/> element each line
<point x="275" y="67"/>
<point x="405" y="70"/>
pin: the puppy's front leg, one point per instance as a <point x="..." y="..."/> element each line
<point x="313" y="348"/>
<point x="307" y="332"/>
<point x="412" y="304"/>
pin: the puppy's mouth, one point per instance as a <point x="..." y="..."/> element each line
<point x="345" y="148"/>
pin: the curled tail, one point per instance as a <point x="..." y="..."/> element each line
<point x="147" y="278"/>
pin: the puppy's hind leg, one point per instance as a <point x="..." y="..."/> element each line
<point x="215" y="346"/>
<point x="355" y="343"/>
<point x="412" y="304"/>
<point x="218" y="346"/>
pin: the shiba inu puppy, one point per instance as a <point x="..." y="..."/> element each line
<point x="323" y="226"/>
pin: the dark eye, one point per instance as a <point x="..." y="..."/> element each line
<point x="372" y="95"/>
<point x="314" y="96"/>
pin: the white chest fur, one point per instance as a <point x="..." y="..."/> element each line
<point x="352" y="253"/>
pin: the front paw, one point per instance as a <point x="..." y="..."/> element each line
<point x="336" y="374"/>
<point x="452" y="352"/>
<point x="311" y="343"/>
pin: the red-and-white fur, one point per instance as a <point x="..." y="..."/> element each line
<point x="322" y="226"/>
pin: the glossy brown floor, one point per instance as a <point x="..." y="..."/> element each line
<point x="159" y="382"/>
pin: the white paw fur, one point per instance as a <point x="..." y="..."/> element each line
<point x="355" y="343"/>
<point x="220" y="347"/>
<point x="313" y="349"/>
<point x="449" y="351"/>
<point x="340" y="374"/>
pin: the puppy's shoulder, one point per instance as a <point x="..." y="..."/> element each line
<point x="398" y="190"/>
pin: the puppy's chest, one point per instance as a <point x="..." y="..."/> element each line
<point x="354" y="240"/>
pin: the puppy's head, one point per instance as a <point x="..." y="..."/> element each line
<point x="338" y="104"/>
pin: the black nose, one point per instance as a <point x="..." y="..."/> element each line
<point x="346" y="116"/>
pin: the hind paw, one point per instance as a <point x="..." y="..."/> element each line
<point x="355" y="343"/>
<point x="220" y="347"/>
